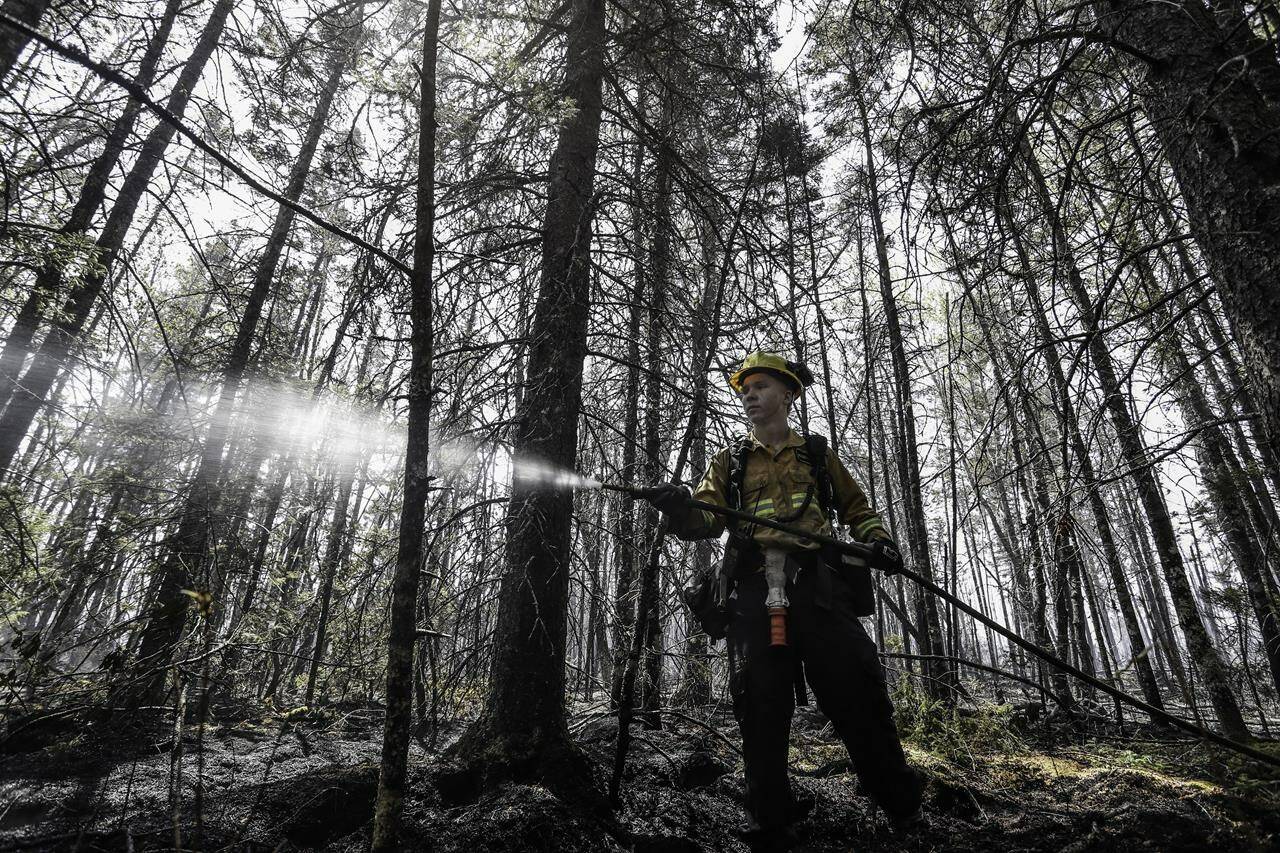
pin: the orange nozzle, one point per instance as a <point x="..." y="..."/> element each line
<point x="777" y="626"/>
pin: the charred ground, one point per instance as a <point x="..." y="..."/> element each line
<point x="264" y="779"/>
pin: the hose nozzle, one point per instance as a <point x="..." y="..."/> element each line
<point x="637" y="493"/>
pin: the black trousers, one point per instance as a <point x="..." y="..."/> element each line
<point x="844" y="672"/>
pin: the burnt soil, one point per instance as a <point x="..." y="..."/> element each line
<point x="268" y="780"/>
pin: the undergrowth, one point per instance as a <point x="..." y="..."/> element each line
<point x="958" y="735"/>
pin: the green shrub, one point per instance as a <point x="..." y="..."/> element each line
<point x="954" y="733"/>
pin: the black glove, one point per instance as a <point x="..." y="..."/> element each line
<point x="669" y="499"/>
<point x="885" y="556"/>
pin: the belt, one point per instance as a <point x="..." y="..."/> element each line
<point x="809" y="560"/>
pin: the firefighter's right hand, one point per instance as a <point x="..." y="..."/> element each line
<point x="669" y="499"/>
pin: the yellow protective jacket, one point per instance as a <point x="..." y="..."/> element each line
<point x="774" y="486"/>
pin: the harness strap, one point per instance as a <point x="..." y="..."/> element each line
<point x="814" y="454"/>
<point x="737" y="480"/>
<point x="816" y="448"/>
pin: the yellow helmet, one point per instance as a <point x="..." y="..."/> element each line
<point x="793" y="373"/>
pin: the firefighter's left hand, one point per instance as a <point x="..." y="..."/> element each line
<point x="886" y="557"/>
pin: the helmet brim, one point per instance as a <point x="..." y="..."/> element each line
<point x="789" y="379"/>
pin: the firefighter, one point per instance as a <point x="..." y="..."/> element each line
<point x="786" y="587"/>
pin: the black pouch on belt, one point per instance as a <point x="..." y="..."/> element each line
<point x="857" y="574"/>
<point x="708" y="597"/>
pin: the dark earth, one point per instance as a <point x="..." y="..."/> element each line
<point x="305" y="779"/>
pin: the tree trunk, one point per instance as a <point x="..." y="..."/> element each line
<point x="1134" y="452"/>
<point x="1218" y="131"/>
<point x="523" y="729"/>
<point x="1157" y="602"/>
<point x="49" y="278"/>
<point x="1212" y="668"/>
<point x="1229" y="493"/>
<point x="285" y="623"/>
<point x="1242" y="394"/>
<point x="653" y="469"/>
<point x="598" y="663"/>
<point x="624" y="552"/>
<point x="695" y="684"/>
<point x="393" y="769"/>
<point x="1024" y="564"/>
<point x="12" y="41"/>
<point x="329" y="568"/>
<point x="942" y="676"/>
<point x="1084" y="462"/>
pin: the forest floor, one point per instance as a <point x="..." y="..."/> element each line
<point x="306" y="779"/>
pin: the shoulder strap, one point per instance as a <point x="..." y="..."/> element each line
<point x="738" y="454"/>
<point x="816" y="449"/>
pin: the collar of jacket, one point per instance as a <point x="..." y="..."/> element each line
<point x="793" y="439"/>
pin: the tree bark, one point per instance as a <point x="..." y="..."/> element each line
<point x="393" y="769"/>
<point x="523" y="730"/>
<point x="1216" y="116"/>
<point x="598" y="663"/>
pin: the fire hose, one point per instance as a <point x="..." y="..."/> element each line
<point x="863" y="551"/>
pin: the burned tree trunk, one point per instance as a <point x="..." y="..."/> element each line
<point x="523" y="730"/>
